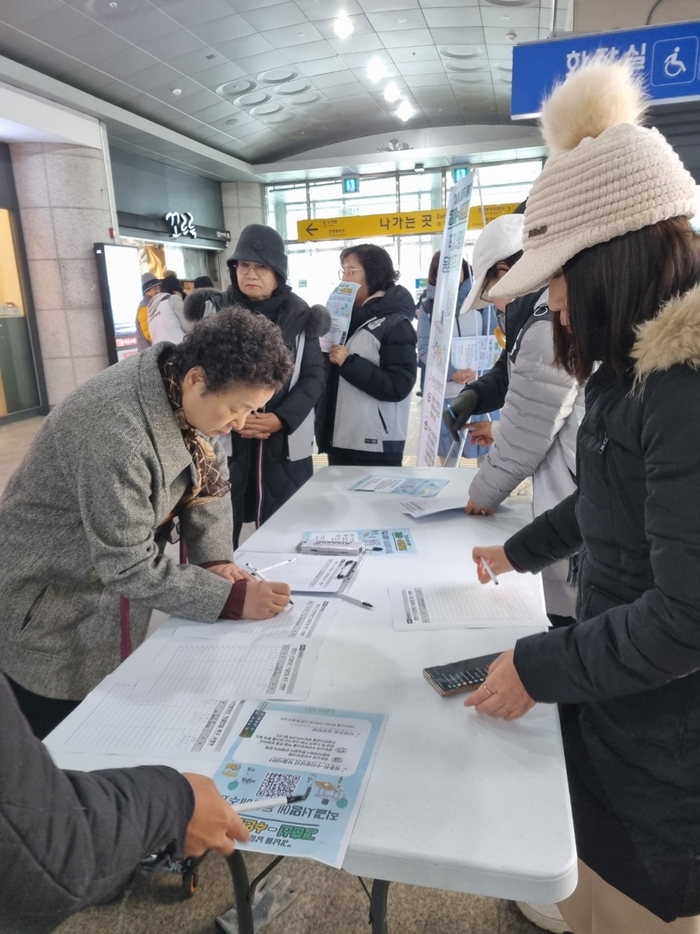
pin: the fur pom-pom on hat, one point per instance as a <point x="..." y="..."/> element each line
<point x="607" y="175"/>
<point x="600" y="94"/>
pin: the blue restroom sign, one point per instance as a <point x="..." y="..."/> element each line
<point x="666" y="57"/>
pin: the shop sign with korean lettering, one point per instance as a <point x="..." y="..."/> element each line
<point x="181" y="224"/>
<point x="390" y="225"/>
<point x="666" y="57"/>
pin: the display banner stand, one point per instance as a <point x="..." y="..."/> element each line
<point x="444" y="306"/>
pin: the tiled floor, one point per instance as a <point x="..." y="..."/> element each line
<point x="328" y="900"/>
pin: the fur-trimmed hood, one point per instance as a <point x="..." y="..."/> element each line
<point x="669" y="339"/>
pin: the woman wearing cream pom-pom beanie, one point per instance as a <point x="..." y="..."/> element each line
<point x="607" y="227"/>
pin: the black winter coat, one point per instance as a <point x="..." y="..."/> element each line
<point x="394" y="378"/>
<point x="71" y="839"/>
<point x="261" y="473"/>
<point x="628" y="673"/>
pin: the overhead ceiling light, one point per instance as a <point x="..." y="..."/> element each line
<point x="376" y="71"/>
<point x="177" y="91"/>
<point x="405" y="111"/>
<point x="391" y="93"/>
<point x="343" y="26"/>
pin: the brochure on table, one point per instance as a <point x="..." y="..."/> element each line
<point x="340" y="304"/>
<point x="374" y="542"/>
<point x="285" y="749"/>
<point x="420" y="509"/>
<point x="405" y="486"/>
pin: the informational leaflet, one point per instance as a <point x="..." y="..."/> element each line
<point x="115" y="719"/>
<point x="405" y="486"/>
<point x="465" y="606"/>
<point x="307" y="619"/>
<point x="281" y="670"/>
<point x="285" y="749"/>
<point x="475" y="353"/>
<point x="375" y="541"/>
<point x="304" y="573"/>
<point x="420" y="509"/>
<point x="340" y="303"/>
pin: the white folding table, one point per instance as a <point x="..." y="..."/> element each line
<point x="456" y="800"/>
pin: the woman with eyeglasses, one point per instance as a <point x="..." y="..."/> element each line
<point x="270" y="457"/>
<point x="372" y="375"/>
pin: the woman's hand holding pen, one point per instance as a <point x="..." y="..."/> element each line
<point x="503" y="694"/>
<point x="495" y="557"/>
<point x="264" y="599"/>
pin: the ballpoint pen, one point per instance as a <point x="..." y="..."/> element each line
<point x="488" y="570"/>
<point x="278" y="565"/>
<point x="270" y="802"/>
<point x="262" y="577"/>
<point x="355" y="601"/>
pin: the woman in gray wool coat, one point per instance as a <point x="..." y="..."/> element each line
<point x="86" y="515"/>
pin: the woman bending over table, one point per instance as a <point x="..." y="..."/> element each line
<point x="86" y="515"/>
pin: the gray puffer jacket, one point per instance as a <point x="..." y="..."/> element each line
<point x="543" y="409"/>
<point x="71" y="839"/>
<point x="78" y="520"/>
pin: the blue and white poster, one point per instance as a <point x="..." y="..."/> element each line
<point x="666" y="57"/>
<point x="290" y="749"/>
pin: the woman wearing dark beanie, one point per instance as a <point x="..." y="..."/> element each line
<point x="271" y="455"/>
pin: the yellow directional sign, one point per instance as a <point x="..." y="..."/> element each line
<point x="400" y="224"/>
<point x="371" y="225"/>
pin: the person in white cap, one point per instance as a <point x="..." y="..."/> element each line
<point x="607" y="226"/>
<point x="542" y="405"/>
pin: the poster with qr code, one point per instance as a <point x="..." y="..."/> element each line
<point x="323" y="755"/>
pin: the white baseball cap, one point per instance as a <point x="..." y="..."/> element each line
<point x="498" y="240"/>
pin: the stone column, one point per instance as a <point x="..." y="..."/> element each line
<point x="63" y="195"/>
<point x="244" y="203"/>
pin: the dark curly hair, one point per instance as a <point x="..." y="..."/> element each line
<point x="376" y="262"/>
<point x="235" y="346"/>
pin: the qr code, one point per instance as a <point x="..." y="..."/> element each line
<point x="277" y="784"/>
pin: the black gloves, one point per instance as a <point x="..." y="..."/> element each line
<point x="462" y="408"/>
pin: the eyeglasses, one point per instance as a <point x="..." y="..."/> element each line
<point x="247" y="268"/>
<point x="348" y="271"/>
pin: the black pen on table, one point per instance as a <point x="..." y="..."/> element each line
<point x="263" y="578"/>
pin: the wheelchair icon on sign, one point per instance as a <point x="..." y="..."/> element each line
<point x="674" y="61"/>
<point x="673" y="67"/>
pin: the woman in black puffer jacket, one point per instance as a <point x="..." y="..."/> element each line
<point x="607" y="225"/>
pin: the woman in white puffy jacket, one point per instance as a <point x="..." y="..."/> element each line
<point x="543" y="408"/>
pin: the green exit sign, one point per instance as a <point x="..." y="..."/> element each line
<point x="459" y="174"/>
<point x="351" y="186"/>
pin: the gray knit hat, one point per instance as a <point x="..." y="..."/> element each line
<point x="606" y="177"/>
<point x="148" y="281"/>
<point x="259" y="243"/>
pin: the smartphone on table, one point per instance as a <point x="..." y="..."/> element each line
<point x="460" y="677"/>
